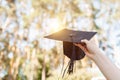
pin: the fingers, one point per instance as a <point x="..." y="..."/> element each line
<point x="75" y="44"/>
<point x="80" y="46"/>
<point x="84" y="41"/>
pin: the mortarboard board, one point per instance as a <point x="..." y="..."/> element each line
<point x="69" y="37"/>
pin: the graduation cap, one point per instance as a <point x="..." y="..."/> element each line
<point x="70" y="50"/>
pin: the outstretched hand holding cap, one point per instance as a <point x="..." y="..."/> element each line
<point x="90" y="47"/>
<point x="87" y="46"/>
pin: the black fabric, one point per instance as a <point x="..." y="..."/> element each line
<point x="68" y="50"/>
<point x="74" y="53"/>
<point x="66" y="34"/>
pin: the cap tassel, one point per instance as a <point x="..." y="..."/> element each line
<point x="71" y="62"/>
<point x="71" y="65"/>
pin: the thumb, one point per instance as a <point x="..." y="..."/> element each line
<point x="84" y="41"/>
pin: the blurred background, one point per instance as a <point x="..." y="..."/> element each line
<point x="26" y="55"/>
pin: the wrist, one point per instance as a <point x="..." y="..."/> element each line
<point x="98" y="54"/>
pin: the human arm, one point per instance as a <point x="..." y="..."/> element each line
<point x="109" y="70"/>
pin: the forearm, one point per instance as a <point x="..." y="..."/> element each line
<point x="110" y="71"/>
